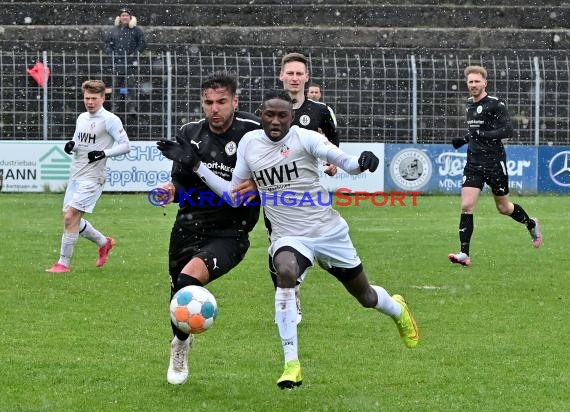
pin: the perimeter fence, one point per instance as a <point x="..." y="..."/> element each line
<point x="377" y="95"/>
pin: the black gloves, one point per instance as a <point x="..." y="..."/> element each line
<point x="457" y="142"/>
<point x="179" y="151"/>
<point x="95" y="155"/>
<point x="368" y="161"/>
<point x="68" y="148"/>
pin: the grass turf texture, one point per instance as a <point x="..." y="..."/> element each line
<point x="493" y="335"/>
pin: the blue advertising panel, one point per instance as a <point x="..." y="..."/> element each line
<point x="522" y="166"/>
<point x="438" y="168"/>
<point x="409" y="167"/>
<point x="554" y="169"/>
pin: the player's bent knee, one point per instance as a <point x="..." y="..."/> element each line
<point x="286" y="268"/>
<point x="504" y="210"/>
<point x="289" y="264"/>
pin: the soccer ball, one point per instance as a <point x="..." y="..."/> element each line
<point x="193" y="309"/>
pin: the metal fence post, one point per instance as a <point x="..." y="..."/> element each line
<point x="168" y="96"/>
<point x="45" y="110"/>
<point x="414" y="100"/>
<point x="536" y="101"/>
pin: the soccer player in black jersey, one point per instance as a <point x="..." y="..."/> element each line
<point x="209" y="237"/>
<point x="488" y="123"/>
<point x="309" y="114"/>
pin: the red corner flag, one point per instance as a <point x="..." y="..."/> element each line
<point x="37" y="73"/>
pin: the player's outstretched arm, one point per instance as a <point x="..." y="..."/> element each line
<point x="219" y="186"/>
<point x="351" y="164"/>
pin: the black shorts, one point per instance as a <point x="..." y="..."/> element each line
<point x="494" y="175"/>
<point x="220" y="253"/>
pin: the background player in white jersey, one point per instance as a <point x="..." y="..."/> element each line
<point x="99" y="134"/>
<point x="284" y="158"/>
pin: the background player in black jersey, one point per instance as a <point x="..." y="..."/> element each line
<point x="314" y="92"/>
<point x="488" y="123"/>
<point x="309" y="114"/>
<point x="209" y="237"/>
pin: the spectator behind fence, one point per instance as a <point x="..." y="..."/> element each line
<point x="125" y="42"/>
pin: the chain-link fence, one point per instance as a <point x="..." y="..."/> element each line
<point x="378" y="96"/>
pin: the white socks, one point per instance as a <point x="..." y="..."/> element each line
<point x="68" y="241"/>
<point x="286" y="319"/>
<point x="87" y="230"/>
<point x="386" y="304"/>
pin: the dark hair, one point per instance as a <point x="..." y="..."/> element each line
<point x="277" y="94"/>
<point x="125" y="10"/>
<point x="221" y="79"/>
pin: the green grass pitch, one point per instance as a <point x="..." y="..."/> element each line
<point x="97" y="339"/>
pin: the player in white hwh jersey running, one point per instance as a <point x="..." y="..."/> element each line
<point x="284" y="160"/>
<point x="96" y="132"/>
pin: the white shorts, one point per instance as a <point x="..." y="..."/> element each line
<point x="82" y="195"/>
<point x="333" y="249"/>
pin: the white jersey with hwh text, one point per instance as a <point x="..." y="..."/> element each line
<point x="98" y="131"/>
<point x="287" y="177"/>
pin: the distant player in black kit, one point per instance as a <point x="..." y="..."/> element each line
<point x="209" y="237"/>
<point x="309" y="114"/>
<point x="488" y="122"/>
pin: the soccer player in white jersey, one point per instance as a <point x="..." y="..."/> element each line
<point x="99" y="134"/>
<point x="309" y="114"/>
<point x="305" y="229"/>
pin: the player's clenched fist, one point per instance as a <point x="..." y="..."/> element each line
<point x="368" y="161"/>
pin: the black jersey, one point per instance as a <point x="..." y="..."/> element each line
<point x="488" y="122"/>
<point x="202" y="210"/>
<point x="314" y="115"/>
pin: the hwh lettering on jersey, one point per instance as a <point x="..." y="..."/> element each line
<point x="86" y="137"/>
<point x="273" y="175"/>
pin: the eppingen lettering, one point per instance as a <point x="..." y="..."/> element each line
<point x="124" y="177"/>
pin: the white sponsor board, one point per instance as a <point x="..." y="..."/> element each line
<point x="141" y="170"/>
<point x="37" y="166"/>
<point x="364" y="182"/>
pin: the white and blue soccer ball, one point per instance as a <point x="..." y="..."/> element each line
<point x="193" y="309"/>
